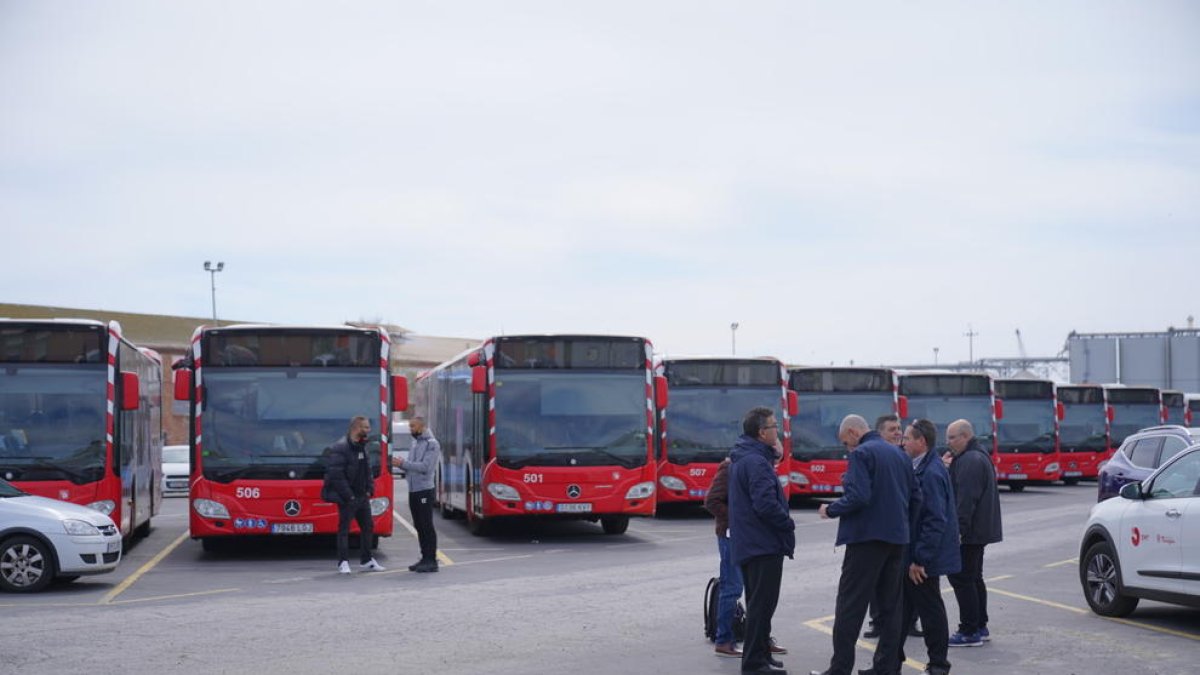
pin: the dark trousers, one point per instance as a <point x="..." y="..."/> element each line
<point x="360" y="510"/>
<point x="870" y="573"/>
<point x="970" y="591"/>
<point x="925" y="600"/>
<point x="420" y="503"/>
<point x="761" y="576"/>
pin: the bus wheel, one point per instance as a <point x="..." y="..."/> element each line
<point x="1016" y="487"/>
<point x="475" y="525"/>
<point x="212" y="545"/>
<point x="143" y="530"/>
<point x="26" y="565"/>
<point x="614" y="524"/>
<point x="1070" y="481"/>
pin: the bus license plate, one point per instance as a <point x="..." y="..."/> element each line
<point x="1018" y="476"/>
<point x="113" y="547"/>
<point x="573" y="508"/>
<point x="1072" y="474"/>
<point x="291" y="528"/>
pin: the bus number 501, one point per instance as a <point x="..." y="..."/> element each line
<point x="248" y="493"/>
<point x="534" y="478"/>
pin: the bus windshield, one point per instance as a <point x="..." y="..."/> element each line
<point x="1082" y="426"/>
<point x="1129" y="418"/>
<point x="569" y="418"/>
<point x="52" y="422"/>
<point x="1028" y="426"/>
<point x="814" y="429"/>
<point x="703" y="423"/>
<point x="943" y="410"/>
<point x="276" y="423"/>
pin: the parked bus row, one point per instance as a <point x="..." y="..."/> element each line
<point x="574" y="426"/>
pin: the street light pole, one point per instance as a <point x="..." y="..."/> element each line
<point x="212" y="271"/>
<point x="733" y="336"/>
<point x="935" y="353"/>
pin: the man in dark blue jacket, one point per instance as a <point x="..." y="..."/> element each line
<point x="761" y="532"/>
<point x="934" y="548"/>
<point x="881" y="492"/>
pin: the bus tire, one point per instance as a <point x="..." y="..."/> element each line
<point x="142" y="530"/>
<point x="475" y="525"/>
<point x="1070" y="481"/>
<point x="27" y="564"/>
<point x="212" y="545"/>
<point x="614" y="524"/>
<point x="1017" y="486"/>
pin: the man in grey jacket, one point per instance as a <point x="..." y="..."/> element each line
<point x="420" y="466"/>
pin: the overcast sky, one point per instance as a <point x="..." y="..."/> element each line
<point x="846" y="180"/>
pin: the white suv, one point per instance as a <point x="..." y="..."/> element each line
<point x="41" y="539"/>
<point x="1146" y="542"/>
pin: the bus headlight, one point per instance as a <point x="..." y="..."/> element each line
<point x="672" y="483"/>
<point x="641" y="490"/>
<point x="210" y="509"/>
<point x="79" y="528"/>
<point x="380" y="505"/>
<point x="1052" y="467"/>
<point x="799" y="478"/>
<point x="104" y="506"/>
<point x="504" y="492"/>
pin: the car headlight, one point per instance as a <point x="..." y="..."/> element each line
<point x="640" y="491"/>
<point x="210" y="509"/>
<point x="672" y="483"/>
<point x="783" y="481"/>
<point x="80" y="528"/>
<point x="104" y="506"/>
<point x="380" y="505"/>
<point x="507" y="493"/>
<point x="799" y="478"/>
<point x="1052" y="467"/>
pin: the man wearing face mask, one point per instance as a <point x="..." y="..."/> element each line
<point x="420" y="466"/>
<point x="349" y="484"/>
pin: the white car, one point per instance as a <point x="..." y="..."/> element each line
<point x="175" y="470"/>
<point x="1146" y="542"/>
<point x="42" y="539"/>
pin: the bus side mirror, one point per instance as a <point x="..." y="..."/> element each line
<point x="399" y="393"/>
<point x="183" y="385"/>
<point x="999" y="409"/>
<point x="1111" y="412"/>
<point x="902" y="407"/>
<point x="1060" y="410"/>
<point x="660" y="392"/>
<point x="1187" y="417"/>
<point x="479" y="380"/>
<point x="131" y="391"/>
<point x="793" y="403"/>
<point x="1164" y="414"/>
<point x="473" y="360"/>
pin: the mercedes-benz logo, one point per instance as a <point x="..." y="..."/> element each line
<point x="573" y="491"/>
<point x="292" y="508"/>
<point x="1016" y="467"/>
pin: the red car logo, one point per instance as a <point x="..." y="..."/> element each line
<point x="1137" y="536"/>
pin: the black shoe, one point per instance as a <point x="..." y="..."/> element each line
<point x="775" y="663"/>
<point x="872" y="632"/>
<point x="426" y="566"/>
<point x="766" y="670"/>
<point x="413" y="567"/>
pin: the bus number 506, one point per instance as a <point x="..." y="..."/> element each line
<point x="247" y="493"/>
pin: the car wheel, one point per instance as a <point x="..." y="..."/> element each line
<point x="1100" y="574"/>
<point x="26" y="565"/>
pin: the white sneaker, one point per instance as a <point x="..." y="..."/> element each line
<point x="343" y="567"/>
<point x="371" y="566"/>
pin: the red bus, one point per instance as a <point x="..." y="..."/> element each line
<point x="942" y="397"/>
<point x="708" y="399"/>
<point x="1084" y="431"/>
<point x="826" y="395"/>
<point x="1175" y="407"/>
<point x="1027" y="439"/>
<point x="1192" y="415"/>
<point x="81" y="417"/>
<point x="265" y="403"/>
<point x="1134" y="409"/>
<point x="545" y="425"/>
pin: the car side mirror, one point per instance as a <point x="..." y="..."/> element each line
<point x="1132" y="491"/>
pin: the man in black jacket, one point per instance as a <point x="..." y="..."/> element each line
<point x="978" y="502"/>
<point x="349" y="484"/>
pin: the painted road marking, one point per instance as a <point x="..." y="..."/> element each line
<point x="819" y="626"/>
<point x="1068" y="561"/>
<point x="442" y="557"/>
<point x="176" y="596"/>
<point x="1078" y="610"/>
<point x="129" y="581"/>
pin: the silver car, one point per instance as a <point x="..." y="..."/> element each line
<point x="42" y="539"/>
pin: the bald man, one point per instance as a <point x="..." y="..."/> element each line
<point x="880" y="498"/>
<point x="978" y="503"/>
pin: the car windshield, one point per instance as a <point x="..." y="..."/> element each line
<point x="9" y="490"/>
<point x="1027" y="426"/>
<point x="703" y="423"/>
<point x="942" y="410"/>
<point x="1129" y="418"/>
<point x="576" y="417"/>
<point x="175" y="454"/>
<point x="815" y="427"/>
<point x="276" y="423"/>
<point x="1082" y="427"/>
<point x="52" y="421"/>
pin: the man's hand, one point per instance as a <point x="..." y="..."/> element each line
<point x="947" y="458"/>
<point x="916" y="573"/>
<point x="823" y="511"/>
<point x="397" y="461"/>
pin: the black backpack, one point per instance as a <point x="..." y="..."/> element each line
<point x="712" y="594"/>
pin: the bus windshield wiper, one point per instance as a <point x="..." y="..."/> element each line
<point x="538" y="458"/>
